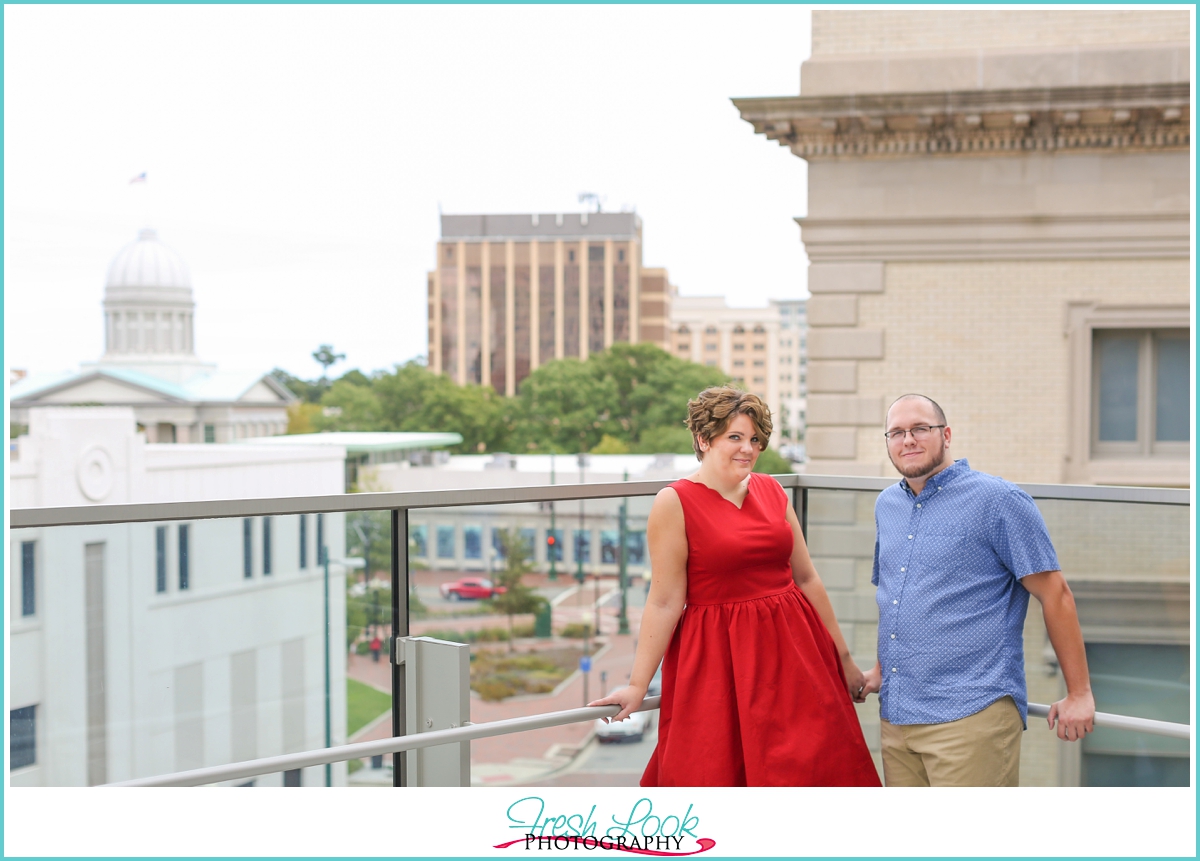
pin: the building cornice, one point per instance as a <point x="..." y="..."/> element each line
<point x="988" y="122"/>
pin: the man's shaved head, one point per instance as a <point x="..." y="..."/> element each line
<point x="941" y="415"/>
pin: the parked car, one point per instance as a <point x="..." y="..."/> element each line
<point x="654" y="689"/>
<point x="470" y="588"/>
<point x="630" y="729"/>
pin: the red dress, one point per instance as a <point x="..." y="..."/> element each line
<point x="753" y="691"/>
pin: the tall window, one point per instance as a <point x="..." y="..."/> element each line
<point x="22" y="745"/>
<point x="210" y="433"/>
<point x="554" y="545"/>
<point x="445" y="542"/>
<point x="247" y="547"/>
<point x="28" y="579"/>
<point x="472" y="542"/>
<point x="418" y="541"/>
<point x="1141" y="387"/>
<point x="320" y="539"/>
<point x="1150" y="681"/>
<point x="160" y="559"/>
<point x="266" y="541"/>
<point x="303" y="541"/>
<point x="583" y="545"/>
<point x="183" y="558"/>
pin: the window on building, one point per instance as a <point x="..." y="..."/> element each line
<point x="760" y="346"/>
<point x="266" y="545"/>
<point x="683" y="346"/>
<point x="160" y="559"/>
<point x="1141" y="392"/>
<point x="710" y="347"/>
<point x="529" y="539"/>
<point x="635" y="548"/>
<point x="28" y="578"/>
<point x="22" y="739"/>
<point x="247" y="547"/>
<point x="1149" y="681"/>
<point x="595" y="253"/>
<point x="184" y="560"/>
<point x="758" y="363"/>
<point x="711" y="363"/>
<point x="418" y="540"/>
<point x="739" y="346"/>
<point x="472" y="542"/>
<point x="610" y="546"/>
<point x="759" y="330"/>
<point x="320" y="539"/>
<point x="739" y="329"/>
<point x="210" y="433"/>
<point x="303" y="541"/>
<point x="571" y="255"/>
<point x="758" y="381"/>
<point x="620" y="255"/>
<point x="683" y="329"/>
<point x="710" y="330"/>
<point x="445" y="542"/>
<point x="554" y="545"/>
<point x="583" y="545"/>
<point x="739" y="363"/>
<point x="291" y="777"/>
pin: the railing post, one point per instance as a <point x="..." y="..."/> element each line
<point x="400" y="586"/>
<point x="800" y="505"/>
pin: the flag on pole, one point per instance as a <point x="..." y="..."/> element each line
<point x="141" y="177"/>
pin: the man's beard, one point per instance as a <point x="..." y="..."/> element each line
<point x="913" y="470"/>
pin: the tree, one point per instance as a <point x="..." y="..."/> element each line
<point x="517" y="597"/>
<point x="325" y="357"/>
<point x="772" y="462"/>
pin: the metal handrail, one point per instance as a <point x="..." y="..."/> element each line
<point x="396" y="744"/>
<point x="146" y="512"/>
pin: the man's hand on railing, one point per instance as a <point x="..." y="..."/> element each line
<point x="629" y="698"/>
<point x="1075" y="714"/>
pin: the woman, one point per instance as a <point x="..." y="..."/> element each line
<point x="757" y="679"/>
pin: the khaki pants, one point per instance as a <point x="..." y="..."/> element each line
<point x="983" y="749"/>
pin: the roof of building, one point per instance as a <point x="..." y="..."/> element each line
<point x="146" y="262"/>
<point x="592" y="225"/>
<point x="358" y="442"/>
<point x="218" y="387"/>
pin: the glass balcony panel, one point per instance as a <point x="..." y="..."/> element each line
<point x="516" y="673"/>
<point x="148" y="653"/>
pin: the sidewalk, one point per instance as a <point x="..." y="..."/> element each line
<point x="527" y="756"/>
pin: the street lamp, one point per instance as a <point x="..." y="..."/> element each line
<point x="353" y="562"/>
<point x="579" y="538"/>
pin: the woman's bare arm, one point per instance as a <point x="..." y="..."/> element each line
<point x="667" y="538"/>
<point x="806" y="577"/>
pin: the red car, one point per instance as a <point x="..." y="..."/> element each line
<point x="470" y="588"/>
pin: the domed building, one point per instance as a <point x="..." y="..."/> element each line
<point x="150" y="362"/>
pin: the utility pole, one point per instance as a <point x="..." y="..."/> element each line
<point x="553" y="548"/>
<point x="623" y="618"/>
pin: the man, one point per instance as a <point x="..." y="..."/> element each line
<point x="957" y="555"/>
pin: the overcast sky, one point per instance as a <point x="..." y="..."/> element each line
<point x="297" y="157"/>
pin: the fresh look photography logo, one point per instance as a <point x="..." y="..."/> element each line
<point x="642" y="830"/>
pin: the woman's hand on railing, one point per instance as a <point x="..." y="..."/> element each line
<point x="629" y="698"/>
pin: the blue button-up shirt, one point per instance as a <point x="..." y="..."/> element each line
<point x="951" y="608"/>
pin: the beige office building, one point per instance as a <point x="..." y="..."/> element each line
<point x="998" y="216"/>
<point x="761" y="349"/>
<point x="512" y="292"/>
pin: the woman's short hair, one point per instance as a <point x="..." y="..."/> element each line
<point x="711" y="411"/>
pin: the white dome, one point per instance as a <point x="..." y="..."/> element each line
<point x="148" y="263"/>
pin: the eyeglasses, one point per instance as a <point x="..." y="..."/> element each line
<point x="918" y="433"/>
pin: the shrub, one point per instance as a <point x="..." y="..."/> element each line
<point x="576" y="630"/>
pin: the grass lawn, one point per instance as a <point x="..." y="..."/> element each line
<point x="363" y="705"/>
